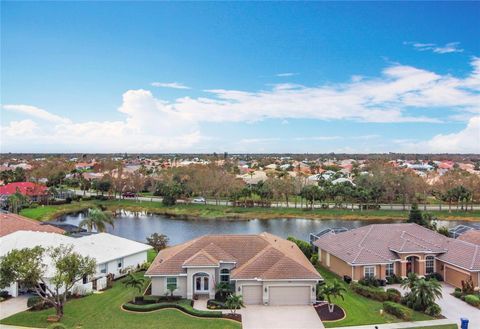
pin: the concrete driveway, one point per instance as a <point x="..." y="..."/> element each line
<point x="13" y="306"/>
<point x="453" y="308"/>
<point x="280" y="317"/>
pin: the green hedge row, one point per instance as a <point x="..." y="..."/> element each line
<point x="379" y="294"/>
<point x="158" y="306"/>
<point x="473" y="300"/>
<point x="398" y="310"/>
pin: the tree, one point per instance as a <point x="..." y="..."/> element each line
<point x="52" y="282"/>
<point x="97" y="220"/>
<point x="410" y="281"/>
<point x="234" y="302"/>
<point x="415" y="215"/>
<point x="224" y="289"/>
<point x="158" y="241"/>
<point x="424" y="293"/>
<point x="16" y="202"/>
<point x="330" y="291"/>
<point x="134" y="281"/>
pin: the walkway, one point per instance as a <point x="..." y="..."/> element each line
<point x="13" y="306"/>
<point x="400" y="325"/>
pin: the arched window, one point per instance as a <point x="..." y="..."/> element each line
<point x="225" y="275"/>
<point x="429" y="264"/>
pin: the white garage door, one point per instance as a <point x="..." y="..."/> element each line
<point x="252" y="295"/>
<point x="289" y="295"/>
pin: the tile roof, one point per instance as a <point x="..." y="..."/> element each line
<point x="381" y="243"/>
<point x="25" y="188"/>
<point x="264" y="256"/>
<point x="10" y="223"/>
<point x="472" y="236"/>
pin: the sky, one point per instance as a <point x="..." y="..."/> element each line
<point x="293" y="77"/>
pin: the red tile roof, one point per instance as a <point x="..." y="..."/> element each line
<point x="25" y="188"/>
<point x="263" y="256"/>
<point x="10" y="223"/>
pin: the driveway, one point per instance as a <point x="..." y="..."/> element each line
<point x="280" y="317"/>
<point x="453" y="308"/>
<point x="13" y="306"/>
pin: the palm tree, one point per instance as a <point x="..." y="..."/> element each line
<point x="134" y="282"/>
<point x="424" y="293"/>
<point x="234" y="302"/>
<point x="333" y="290"/>
<point x="410" y="281"/>
<point x="97" y="219"/>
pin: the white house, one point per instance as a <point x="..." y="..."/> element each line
<point x="113" y="254"/>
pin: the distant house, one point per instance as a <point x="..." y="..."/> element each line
<point x="35" y="192"/>
<point x="113" y="254"/>
<point x="383" y="250"/>
<point x="264" y="269"/>
<point x="10" y="223"/>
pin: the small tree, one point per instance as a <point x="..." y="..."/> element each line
<point x="134" y="282"/>
<point x="410" y="281"/>
<point x="52" y="282"/>
<point x="171" y="288"/>
<point x="158" y="241"/>
<point x="333" y="290"/>
<point x="97" y="219"/>
<point x="224" y="289"/>
<point x="234" y="302"/>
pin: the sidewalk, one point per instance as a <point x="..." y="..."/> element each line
<point x="400" y="325"/>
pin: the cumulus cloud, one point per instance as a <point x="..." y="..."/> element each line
<point x="174" y="85"/>
<point x="464" y="141"/>
<point x="399" y="94"/>
<point x="451" y="47"/>
<point x="35" y="112"/>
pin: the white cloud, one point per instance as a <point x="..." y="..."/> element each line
<point x="451" y="47"/>
<point x="464" y="141"/>
<point x="174" y="85"/>
<point x="35" y="112"/>
<point x="286" y="74"/>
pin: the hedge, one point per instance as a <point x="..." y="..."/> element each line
<point x="398" y="310"/>
<point x="158" y="306"/>
<point x="473" y="300"/>
<point x="372" y="292"/>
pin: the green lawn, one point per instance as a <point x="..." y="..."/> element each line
<point x="102" y="311"/>
<point x="361" y="310"/>
<point x="151" y="254"/>
<point x="444" y="326"/>
<point x="45" y="213"/>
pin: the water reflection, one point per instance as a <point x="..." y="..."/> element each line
<point x="139" y="225"/>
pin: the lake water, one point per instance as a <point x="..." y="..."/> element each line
<point x="137" y="226"/>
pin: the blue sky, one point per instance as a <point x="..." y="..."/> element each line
<point x="240" y="77"/>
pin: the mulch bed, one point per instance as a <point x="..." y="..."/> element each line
<point x="322" y="311"/>
<point x="236" y="317"/>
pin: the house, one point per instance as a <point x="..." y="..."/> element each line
<point x="113" y="254"/>
<point x="383" y="250"/>
<point x="10" y="223"/>
<point x="35" y="192"/>
<point x="264" y="269"/>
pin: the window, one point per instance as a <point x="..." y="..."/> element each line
<point x="172" y="282"/>
<point x="120" y="263"/>
<point x="225" y="275"/>
<point x="369" y="271"/>
<point x="85" y="279"/>
<point x="429" y="265"/>
<point x="103" y="268"/>
<point x="389" y="270"/>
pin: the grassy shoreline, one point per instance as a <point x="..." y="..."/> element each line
<point x="45" y="213"/>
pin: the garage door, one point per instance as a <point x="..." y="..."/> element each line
<point x="455" y="277"/>
<point x="289" y="295"/>
<point x="252" y="295"/>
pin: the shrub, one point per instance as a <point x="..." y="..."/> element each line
<point x="370" y="292"/>
<point x="370" y="281"/>
<point x="4" y="294"/>
<point x="433" y="310"/>
<point x="36" y="303"/>
<point x="457" y="294"/>
<point x="394" y="295"/>
<point x="304" y="246"/>
<point x="314" y="259"/>
<point x="398" y="310"/>
<point x="458" y="289"/>
<point x="473" y="300"/>
<point x="468" y="287"/>
<point x="434" y="275"/>
<point x="158" y="306"/>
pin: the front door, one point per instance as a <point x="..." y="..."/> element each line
<point x="201" y="284"/>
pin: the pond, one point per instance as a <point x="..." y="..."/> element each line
<point x="137" y="226"/>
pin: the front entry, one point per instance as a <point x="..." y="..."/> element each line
<point x="201" y="283"/>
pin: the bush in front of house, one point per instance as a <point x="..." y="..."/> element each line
<point x="304" y="246"/>
<point x="398" y="310"/>
<point x="457" y="294"/>
<point x="433" y="310"/>
<point x="370" y="292"/>
<point x="394" y="279"/>
<point x="179" y="306"/>
<point x="434" y="275"/>
<point x="473" y="300"/>
<point x="314" y="259"/>
<point x="36" y="303"/>
<point x="394" y="295"/>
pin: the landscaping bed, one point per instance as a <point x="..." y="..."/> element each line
<point x="325" y="315"/>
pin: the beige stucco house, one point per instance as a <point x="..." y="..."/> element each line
<point x="381" y="250"/>
<point x="264" y="269"/>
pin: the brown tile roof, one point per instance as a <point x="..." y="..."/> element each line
<point x="472" y="236"/>
<point x="264" y="256"/>
<point x="10" y="223"/>
<point x="381" y="243"/>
